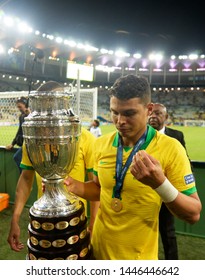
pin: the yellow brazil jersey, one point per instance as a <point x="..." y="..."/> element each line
<point x="84" y="161"/>
<point x="132" y="233"/>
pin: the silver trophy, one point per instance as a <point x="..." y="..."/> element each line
<point x="58" y="225"/>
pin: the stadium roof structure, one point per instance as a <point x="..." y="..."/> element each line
<point x="19" y="43"/>
<point x="17" y="34"/>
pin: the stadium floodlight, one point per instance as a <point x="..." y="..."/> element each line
<point x="91" y="48"/>
<point x="157" y="70"/>
<point x="129" y="68"/>
<point x="50" y="37"/>
<point x="182" y="57"/>
<point x="172" y="70"/>
<point x="11" y="50"/>
<point x="37" y="32"/>
<point x="2" y="50"/>
<point x="70" y="43"/>
<point x="173" y="57"/>
<point x="103" y="51"/>
<point x="193" y="56"/>
<point x="8" y="21"/>
<point x="156" y="56"/>
<point x="80" y="46"/>
<point x="202" y="56"/>
<point x="137" y="55"/>
<point x="59" y="40"/>
<point x="23" y="27"/>
<point x="202" y="69"/>
<point x="143" y="69"/>
<point x="121" y="53"/>
<point x="104" y="68"/>
<point x="17" y="78"/>
<point x="111" y="52"/>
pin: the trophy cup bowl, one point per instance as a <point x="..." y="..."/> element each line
<point x="58" y="225"/>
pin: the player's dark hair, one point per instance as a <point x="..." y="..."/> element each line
<point x="131" y="86"/>
<point x="23" y="100"/>
<point x="97" y="122"/>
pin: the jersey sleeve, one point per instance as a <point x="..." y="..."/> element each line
<point x="25" y="162"/>
<point x="88" y="151"/>
<point x="95" y="158"/>
<point x="178" y="169"/>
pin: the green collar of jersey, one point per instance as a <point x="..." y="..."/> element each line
<point x="150" y="135"/>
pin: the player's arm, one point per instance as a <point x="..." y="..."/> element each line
<point x="186" y="207"/>
<point x="147" y="170"/>
<point x="88" y="190"/>
<point x="23" y="191"/>
<point x="94" y="206"/>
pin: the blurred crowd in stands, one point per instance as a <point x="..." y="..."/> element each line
<point x="181" y="105"/>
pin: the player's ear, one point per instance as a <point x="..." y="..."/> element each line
<point x="150" y="108"/>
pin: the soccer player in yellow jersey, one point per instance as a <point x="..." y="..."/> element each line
<point x="82" y="167"/>
<point x="136" y="168"/>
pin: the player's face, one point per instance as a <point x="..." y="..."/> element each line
<point x="22" y="108"/>
<point x="129" y="116"/>
<point x="157" y="117"/>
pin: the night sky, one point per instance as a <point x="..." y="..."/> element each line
<point x="173" y="27"/>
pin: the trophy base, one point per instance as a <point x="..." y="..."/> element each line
<point x="59" y="238"/>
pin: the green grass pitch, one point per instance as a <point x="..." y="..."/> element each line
<point x="194" y="138"/>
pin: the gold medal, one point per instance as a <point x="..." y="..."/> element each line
<point x="116" y="204"/>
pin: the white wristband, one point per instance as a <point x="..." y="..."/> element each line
<point x="167" y="191"/>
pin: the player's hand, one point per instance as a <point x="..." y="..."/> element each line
<point x="71" y="184"/>
<point x="9" y="147"/>
<point x="43" y="187"/>
<point x="147" y="170"/>
<point x="13" y="238"/>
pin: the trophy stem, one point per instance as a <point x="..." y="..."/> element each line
<point x="56" y="200"/>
